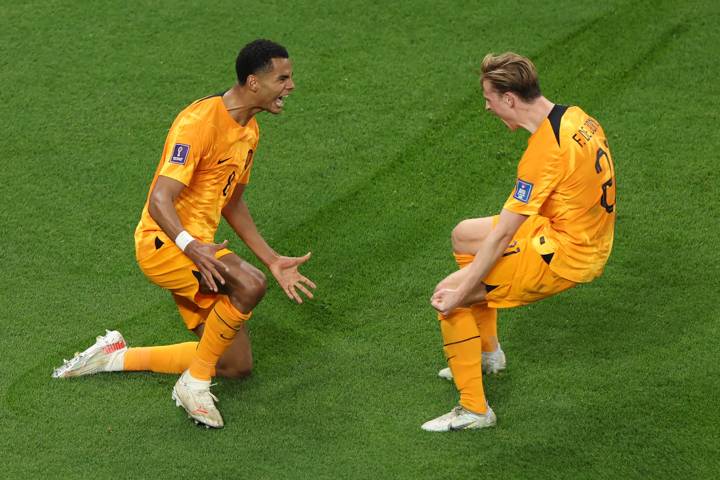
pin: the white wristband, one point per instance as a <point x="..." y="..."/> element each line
<point x="183" y="239"/>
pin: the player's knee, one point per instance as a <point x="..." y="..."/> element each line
<point x="468" y="235"/>
<point x="256" y="285"/>
<point x="250" y="289"/>
<point x="236" y="372"/>
<point x="461" y="236"/>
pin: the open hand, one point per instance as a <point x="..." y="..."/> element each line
<point x="285" y="271"/>
<point x="203" y="255"/>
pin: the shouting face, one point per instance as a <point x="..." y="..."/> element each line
<point x="501" y="105"/>
<point x="274" y="85"/>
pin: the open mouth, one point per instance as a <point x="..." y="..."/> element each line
<point x="280" y="101"/>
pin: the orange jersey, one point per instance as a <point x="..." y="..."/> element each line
<point x="567" y="175"/>
<point x="210" y="153"/>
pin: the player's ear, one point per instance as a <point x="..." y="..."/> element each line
<point x="252" y="82"/>
<point x="509" y="99"/>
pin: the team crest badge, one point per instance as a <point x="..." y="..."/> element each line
<point x="523" y="191"/>
<point x="179" y="153"/>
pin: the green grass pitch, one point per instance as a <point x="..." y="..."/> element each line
<point x="383" y="147"/>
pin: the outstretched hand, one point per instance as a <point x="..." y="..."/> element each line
<point x="203" y="255"/>
<point x="285" y="271"/>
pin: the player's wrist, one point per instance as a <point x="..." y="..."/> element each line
<point x="462" y="292"/>
<point x="183" y="239"/>
<point x="271" y="260"/>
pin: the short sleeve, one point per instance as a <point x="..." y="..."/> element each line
<point x="184" y="148"/>
<point x="538" y="174"/>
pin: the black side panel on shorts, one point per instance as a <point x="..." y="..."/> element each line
<point x="197" y="275"/>
<point x="555" y="117"/>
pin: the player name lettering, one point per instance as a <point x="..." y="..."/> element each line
<point x="586" y="131"/>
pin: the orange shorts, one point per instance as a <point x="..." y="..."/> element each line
<point x="168" y="267"/>
<point x="523" y="275"/>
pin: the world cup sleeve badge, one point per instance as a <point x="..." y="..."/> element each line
<point x="523" y="191"/>
<point x="179" y="153"/>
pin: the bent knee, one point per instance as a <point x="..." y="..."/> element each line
<point x="235" y="366"/>
<point x="249" y="288"/>
<point x="462" y="236"/>
<point x="256" y="285"/>
<point x="468" y="235"/>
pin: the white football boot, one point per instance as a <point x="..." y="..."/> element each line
<point x="195" y="397"/>
<point x="460" y="418"/>
<point x="492" y="362"/>
<point x="103" y="356"/>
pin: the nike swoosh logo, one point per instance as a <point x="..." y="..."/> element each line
<point x="223" y="161"/>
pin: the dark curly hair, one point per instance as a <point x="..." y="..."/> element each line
<point x="257" y="56"/>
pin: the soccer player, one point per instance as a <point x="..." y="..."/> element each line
<point x="202" y="175"/>
<point x="555" y="230"/>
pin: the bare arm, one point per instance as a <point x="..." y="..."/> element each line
<point x="238" y="216"/>
<point x="161" y="206"/>
<point x="445" y="300"/>
<point x="284" y="269"/>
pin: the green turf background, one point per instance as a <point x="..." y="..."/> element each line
<point x="382" y="149"/>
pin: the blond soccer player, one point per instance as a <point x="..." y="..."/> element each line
<point x="555" y="230"/>
<point x="201" y="177"/>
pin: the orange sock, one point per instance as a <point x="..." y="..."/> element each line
<point x="162" y="359"/>
<point x="486" y="321"/>
<point x="485" y="317"/>
<point x="462" y="346"/>
<point x="221" y="325"/>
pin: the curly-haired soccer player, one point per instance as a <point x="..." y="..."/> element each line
<point x="201" y="177"/>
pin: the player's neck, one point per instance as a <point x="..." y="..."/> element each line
<point x="535" y="113"/>
<point x="238" y="107"/>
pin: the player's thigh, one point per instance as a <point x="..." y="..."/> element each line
<point x="168" y="267"/>
<point x="522" y="276"/>
<point x="468" y="235"/>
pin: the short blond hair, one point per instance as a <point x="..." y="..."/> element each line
<point x="510" y="72"/>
